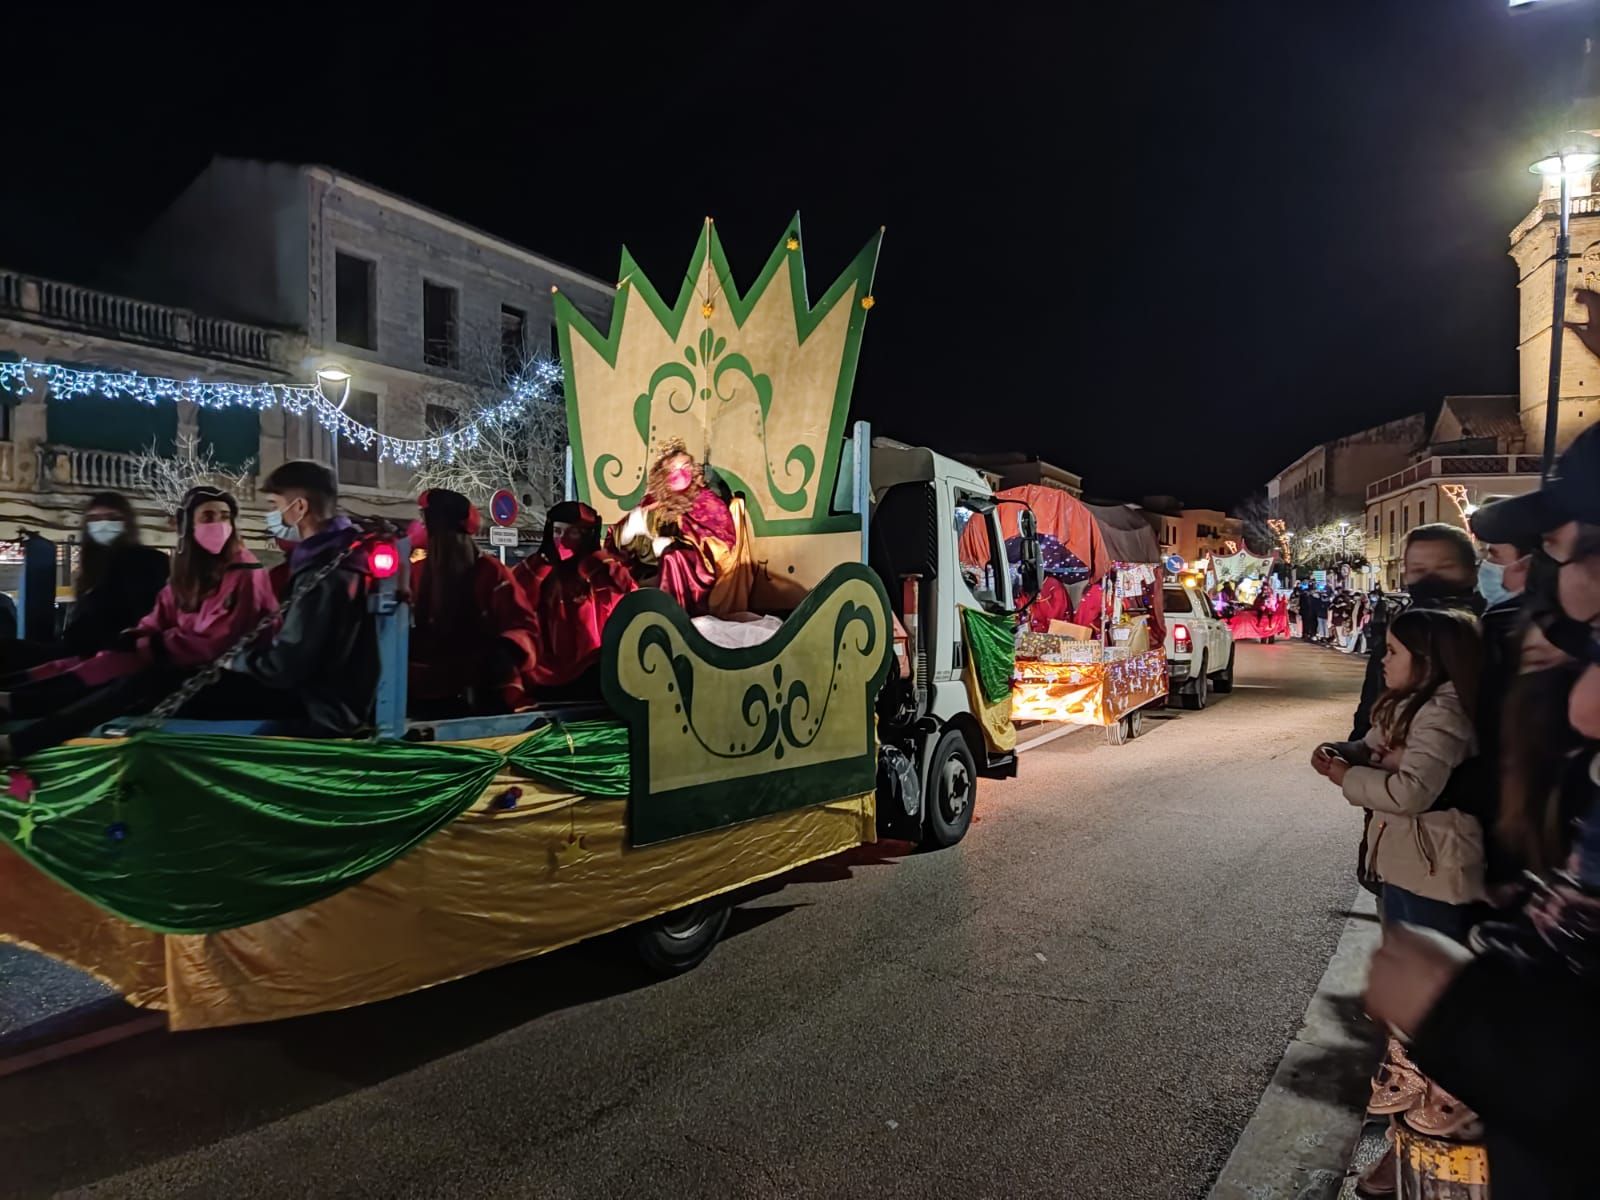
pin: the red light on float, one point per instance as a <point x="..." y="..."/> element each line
<point x="384" y="561"/>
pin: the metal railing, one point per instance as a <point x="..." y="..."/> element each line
<point x="1455" y="464"/>
<point x="50" y="302"/>
<point x="71" y="468"/>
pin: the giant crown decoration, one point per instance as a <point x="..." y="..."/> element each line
<point x="755" y="384"/>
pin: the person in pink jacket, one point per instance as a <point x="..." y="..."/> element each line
<point x="217" y="593"/>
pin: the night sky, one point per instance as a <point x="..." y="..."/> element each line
<point x="1169" y="246"/>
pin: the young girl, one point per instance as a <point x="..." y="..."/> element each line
<point x="217" y="593"/>
<point x="1429" y="856"/>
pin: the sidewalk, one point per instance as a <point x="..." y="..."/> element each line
<point x="1299" y="1144"/>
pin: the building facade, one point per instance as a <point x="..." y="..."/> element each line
<point x="55" y="452"/>
<point x="1020" y="470"/>
<point x="1330" y="481"/>
<point x="427" y="314"/>
<point x="1194" y="533"/>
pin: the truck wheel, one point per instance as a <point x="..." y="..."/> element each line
<point x="1224" y="680"/>
<point x="950" y="791"/>
<point x="1272" y="640"/>
<point x="680" y="941"/>
<point x="1200" y="690"/>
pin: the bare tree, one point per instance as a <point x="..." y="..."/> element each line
<point x="525" y="451"/>
<point x="168" y="477"/>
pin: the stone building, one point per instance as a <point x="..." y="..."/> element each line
<point x="1329" y="481"/>
<point x="266" y="272"/>
<point x="1193" y="533"/>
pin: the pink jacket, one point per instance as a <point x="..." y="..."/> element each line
<point x="189" y="639"/>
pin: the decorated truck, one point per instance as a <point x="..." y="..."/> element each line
<point x="221" y="874"/>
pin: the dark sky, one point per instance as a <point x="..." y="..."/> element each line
<point x="1167" y="245"/>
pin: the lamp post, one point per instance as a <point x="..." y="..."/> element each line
<point x="335" y="377"/>
<point x="1576" y="159"/>
<point x="1344" y="528"/>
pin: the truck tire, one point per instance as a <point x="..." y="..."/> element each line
<point x="1224" y="679"/>
<point x="1200" y="690"/>
<point x="680" y="941"/>
<point x="949" y="791"/>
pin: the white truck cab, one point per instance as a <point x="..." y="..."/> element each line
<point x="1199" y="644"/>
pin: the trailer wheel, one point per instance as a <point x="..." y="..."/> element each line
<point x="680" y="941"/>
<point x="949" y="792"/>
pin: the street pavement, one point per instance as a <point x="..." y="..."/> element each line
<point x="1086" y="998"/>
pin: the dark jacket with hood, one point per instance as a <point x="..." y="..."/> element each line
<point x="127" y="590"/>
<point x="327" y="650"/>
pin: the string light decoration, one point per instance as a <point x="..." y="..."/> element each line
<point x="1458" y="496"/>
<point x="540" y="382"/>
<point x="1281" y="530"/>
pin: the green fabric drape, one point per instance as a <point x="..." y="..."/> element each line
<point x="190" y="834"/>
<point x="991" y="640"/>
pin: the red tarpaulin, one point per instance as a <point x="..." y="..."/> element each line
<point x="1071" y="546"/>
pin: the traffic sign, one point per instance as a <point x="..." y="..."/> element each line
<point x="503" y="509"/>
<point x="501" y="536"/>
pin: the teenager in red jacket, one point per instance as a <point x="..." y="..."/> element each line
<point x="472" y="633"/>
<point x="572" y="585"/>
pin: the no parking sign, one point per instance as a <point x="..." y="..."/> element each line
<point x="503" y="507"/>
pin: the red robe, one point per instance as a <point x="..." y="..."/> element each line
<point x="470" y="653"/>
<point x="687" y="571"/>
<point x="571" y="603"/>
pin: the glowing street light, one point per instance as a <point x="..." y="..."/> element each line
<point x="1577" y="158"/>
<point x="336" y="377"/>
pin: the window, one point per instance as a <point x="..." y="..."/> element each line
<point x="355" y="301"/>
<point x="440" y="418"/>
<point x="1391" y="531"/>
<point x="1422" y="512"/>
<point x="513" y="339"/>
<point x="358" y="464"/>
<point x="439" y="324"/>
<point x="1377" y="527"/>
<point x="1405" y="518"/>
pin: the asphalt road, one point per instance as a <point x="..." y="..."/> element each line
<point x="1086" y="998"/>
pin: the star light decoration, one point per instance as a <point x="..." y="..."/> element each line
<point x="538" y="384"/>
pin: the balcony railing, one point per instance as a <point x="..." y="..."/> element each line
<point x="69" y="468"/>
<point x="1579" y="206"/>
<point x="68" y="306"/>
<point x="1456" y="464"/>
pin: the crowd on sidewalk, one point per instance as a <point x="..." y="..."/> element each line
<point x="1335" y="615"/>
<point x="1475" y="759"/>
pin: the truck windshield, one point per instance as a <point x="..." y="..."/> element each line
<point x="982" y="579"/>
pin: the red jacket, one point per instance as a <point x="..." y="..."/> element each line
<point x="488" y="647"/>
<point x="571" y="604"/>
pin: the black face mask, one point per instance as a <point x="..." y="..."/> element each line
<point x="1430" y="590"/>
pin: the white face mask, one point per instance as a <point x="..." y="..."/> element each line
<point x="106" y="532"/>
<point x="279" y="527"/>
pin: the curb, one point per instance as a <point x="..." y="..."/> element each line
<point x="1299" y="1143"/>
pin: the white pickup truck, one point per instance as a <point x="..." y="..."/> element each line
<point x="1199" y="645"/>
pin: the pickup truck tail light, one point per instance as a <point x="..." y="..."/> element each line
<point x="1180" y="638"/>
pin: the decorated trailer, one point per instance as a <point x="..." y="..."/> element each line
<point x="222" y="874"/>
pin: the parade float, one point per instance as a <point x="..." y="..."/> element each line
<point x="1257" y="609"/>
<point x="222" y="875"/>
<point x="1096" y="659"/>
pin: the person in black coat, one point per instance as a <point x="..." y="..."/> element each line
<point x="117" y="583"/>
<point x="325" y="655"/>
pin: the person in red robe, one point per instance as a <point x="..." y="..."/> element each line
<point x="472" y="636"/>
<point x="572" y="586"/>
<point x="680" y="535"/>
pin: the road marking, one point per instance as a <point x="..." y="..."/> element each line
<point x="1045" y="739"/>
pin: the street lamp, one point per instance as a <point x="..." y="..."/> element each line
<point x="334" y="376"/>
<point x="1576" y="159"/>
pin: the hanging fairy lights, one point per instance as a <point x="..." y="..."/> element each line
<point x="539" y="382"/>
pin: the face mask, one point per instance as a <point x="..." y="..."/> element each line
<point x="1430" y="589"/>
<point x="280" y="528"/>
<point x="1492" y="583"/>
<point x="679" y="478"/>
<point x="105" y="532"/>
<point x="213" y="537"/>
